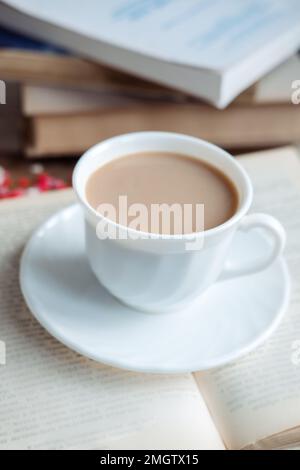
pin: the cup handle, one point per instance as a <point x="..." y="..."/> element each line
<point x="274" y="228"/>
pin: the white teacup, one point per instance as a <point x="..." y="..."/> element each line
<point x="158" y="273"/>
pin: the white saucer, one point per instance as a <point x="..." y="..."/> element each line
<point x="230" y="319"/>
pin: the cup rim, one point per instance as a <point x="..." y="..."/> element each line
<point x="97" y="148"/>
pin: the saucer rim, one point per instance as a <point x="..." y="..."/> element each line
<point x="123" y="364"/>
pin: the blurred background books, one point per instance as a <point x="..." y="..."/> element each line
<point x="59" y="104"/>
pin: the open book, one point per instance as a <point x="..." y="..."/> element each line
<point x="50" y="397"/>
<point x="213" y="49"/>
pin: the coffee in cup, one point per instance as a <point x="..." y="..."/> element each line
<point x="154" y="179"/>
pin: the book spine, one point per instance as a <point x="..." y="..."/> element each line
<point x="237" y="127"/>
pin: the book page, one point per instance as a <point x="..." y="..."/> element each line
<point x="53" y="398"/>
<point x="211" y="34"/>
<point x="258" y="396"/>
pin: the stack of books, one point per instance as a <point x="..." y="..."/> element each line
<point x="68" y="103"/>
